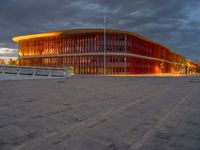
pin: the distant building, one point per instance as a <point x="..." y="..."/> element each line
<point x="83" y="51"/>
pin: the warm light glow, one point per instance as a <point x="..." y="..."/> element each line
<point x="157" y="69"/>
<point x="19" y="38"/>
<point x="172" y="70"/>
<point x="86" y="53"/>
<point x="146" y="75"/>
<point x="20" y="54"/>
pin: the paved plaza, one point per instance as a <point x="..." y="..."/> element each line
<point x="100" y="113"/>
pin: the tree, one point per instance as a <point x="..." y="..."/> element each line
<point x="12" y="62"/>
<point x="198" y="69"/>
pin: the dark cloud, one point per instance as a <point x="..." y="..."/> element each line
<point x="174" y="23"/>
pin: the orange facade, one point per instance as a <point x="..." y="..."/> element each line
<point x="83" y="50"/>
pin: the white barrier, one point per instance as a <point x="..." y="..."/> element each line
<point x="34" y="71"/>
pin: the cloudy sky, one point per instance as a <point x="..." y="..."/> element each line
<point x="174" y="23"/>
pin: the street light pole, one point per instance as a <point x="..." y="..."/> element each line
<point x="162" y="67"/>
<point x="125" y="55"/>
<point x="104" y="45"/>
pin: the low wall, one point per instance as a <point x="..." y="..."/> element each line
<point x="34" y="71"/>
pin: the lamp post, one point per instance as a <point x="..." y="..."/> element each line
<point x="162" y="67"/>
<point x="125" y="55"/>
<point x="104" y="64"/>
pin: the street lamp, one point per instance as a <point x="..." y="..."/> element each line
<point x="104" y="66"/>
<point x="162" y="66"/>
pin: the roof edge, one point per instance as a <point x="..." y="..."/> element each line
<point x="31" y="36"/>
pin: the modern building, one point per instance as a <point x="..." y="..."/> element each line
<point x="95" y="51"/>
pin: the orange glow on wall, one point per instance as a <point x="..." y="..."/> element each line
<point x="41" y="35"/>
<point x="83" y="50"/>
<point x="157" y="69"/>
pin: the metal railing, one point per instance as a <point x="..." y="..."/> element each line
<point x="35" y="71"/>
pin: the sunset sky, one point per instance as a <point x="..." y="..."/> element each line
<point x="173" y="23"/>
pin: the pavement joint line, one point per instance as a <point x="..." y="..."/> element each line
<point x="106" y="123"/>
<point x="181" y="118"/>
<point x="131" y="129"/>
<point x="101" y="117"/>
<point x="138" y="144"/>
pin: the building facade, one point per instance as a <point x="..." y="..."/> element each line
<point x="93" y="51"/>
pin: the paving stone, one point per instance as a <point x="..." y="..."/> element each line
<point x="81" y="143"/>
<point x="111" y="113"/>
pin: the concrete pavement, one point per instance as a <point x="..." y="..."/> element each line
<point x="101" y="113"/>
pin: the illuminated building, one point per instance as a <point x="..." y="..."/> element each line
<point x="83" y="51"/>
